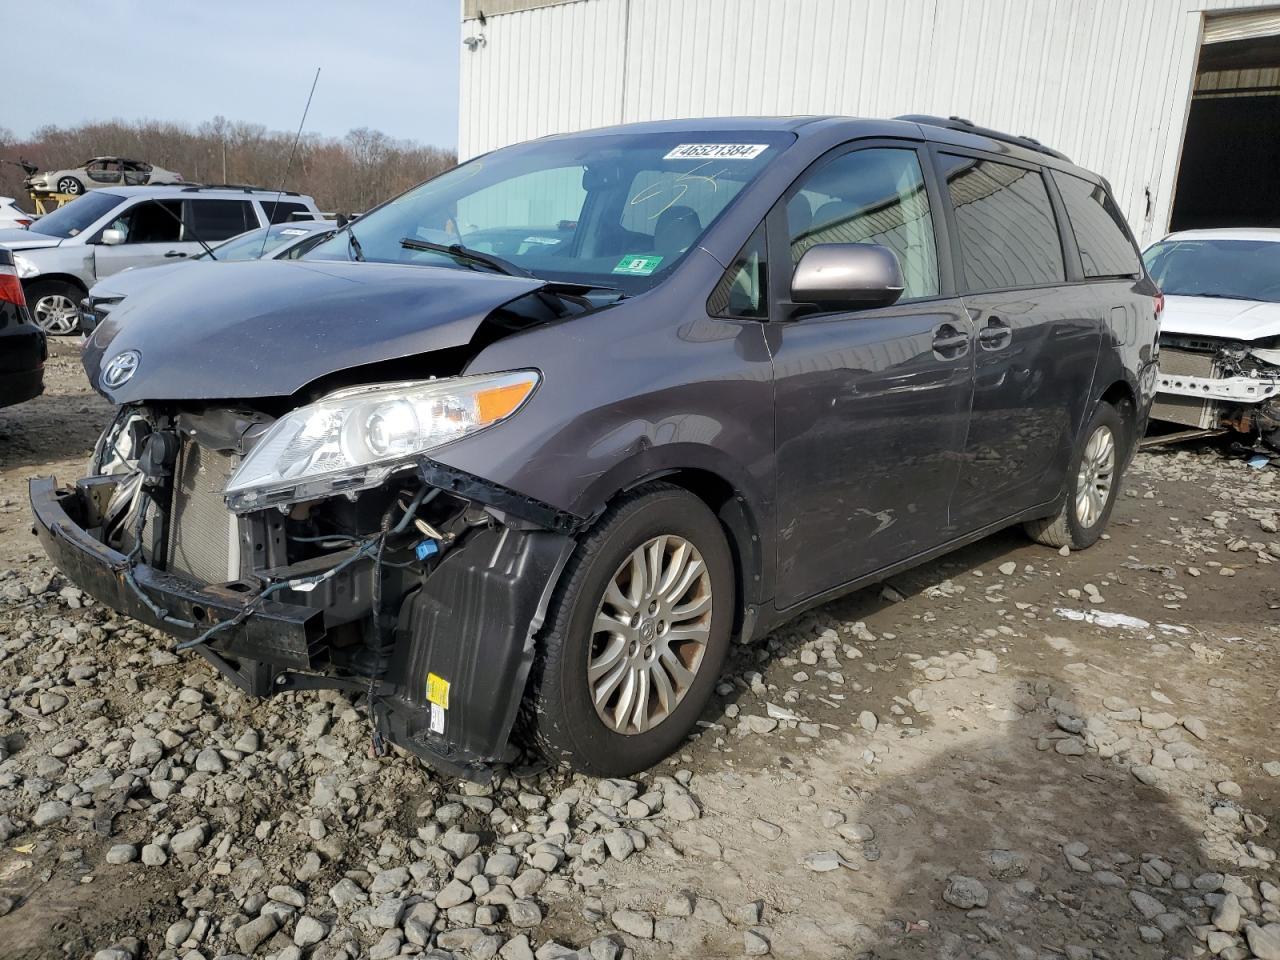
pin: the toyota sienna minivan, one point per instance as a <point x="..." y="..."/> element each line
<point x="515" y="457"/>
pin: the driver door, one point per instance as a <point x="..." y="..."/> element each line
<point x="153" y="234"/>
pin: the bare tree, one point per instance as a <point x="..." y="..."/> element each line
<point x="350" y="174"/>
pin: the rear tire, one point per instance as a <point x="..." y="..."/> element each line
<point x="1097" y="465"/>
<point x="623" y="671"/>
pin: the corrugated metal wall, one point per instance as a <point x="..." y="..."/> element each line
<point x="1106" y="81"/>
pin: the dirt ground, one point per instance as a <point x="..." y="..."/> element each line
<point x="1009" y="753"/>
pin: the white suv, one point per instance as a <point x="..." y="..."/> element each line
<point x="63" y="253"/>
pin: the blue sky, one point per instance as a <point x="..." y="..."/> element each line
<point x="387" y="64"/>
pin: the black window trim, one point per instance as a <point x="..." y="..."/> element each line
<point x="778" y="232"/>
<point x="763" y="229"/>
<point x="1073" y="272"/>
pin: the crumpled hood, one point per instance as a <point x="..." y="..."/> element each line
<point x="266" y="328"/>
<point x="1245" y="320"/>
<point x="16" y="238"/>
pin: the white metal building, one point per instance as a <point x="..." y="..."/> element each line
<point x="1137" y="90"/>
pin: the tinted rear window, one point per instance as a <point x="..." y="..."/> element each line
<point x="284" y="211"/>
<point x="1098" y="226"/>
<point x="220" y="219"/>
<point x="1008" y="234"/>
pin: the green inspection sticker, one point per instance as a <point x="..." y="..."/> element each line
<point x="637" y="265"/>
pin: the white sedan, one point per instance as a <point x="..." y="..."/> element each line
<point x="1220" y="330"/>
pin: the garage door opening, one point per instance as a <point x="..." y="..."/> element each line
<point x="1229" y="175"/>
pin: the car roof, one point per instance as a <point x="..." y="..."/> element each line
<point x="946" y="130"/>
<point x="196" y="190"/>
<point x="1268" y="234"/>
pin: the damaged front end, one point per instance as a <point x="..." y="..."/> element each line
<point x="1209" y="383"/>
<point x="265" y="544"/>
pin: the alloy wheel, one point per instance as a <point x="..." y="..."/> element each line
<point x="650" y="634"/>
<point x="1097" y="474"/>
<point x="56" y="314"/>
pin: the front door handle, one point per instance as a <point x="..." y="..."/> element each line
<point x="950" y="343"/>
<point x="996" y="335"/>
<point x="175" y="253"/>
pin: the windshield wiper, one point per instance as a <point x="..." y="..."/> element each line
<point x="1214" y="296"/>
<point x="459" y="252"/>
<point x="353" y="245"/>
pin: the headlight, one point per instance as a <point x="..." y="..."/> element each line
<point x="24" y="266"/>
<point x="353" y="439"/>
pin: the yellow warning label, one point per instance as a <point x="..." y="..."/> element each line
<point x="438" y="690"/>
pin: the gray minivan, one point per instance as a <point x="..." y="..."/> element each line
<point x="515" y="456"/>
<point x="104" y="231"/>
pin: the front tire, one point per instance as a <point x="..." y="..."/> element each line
<point x="55" y="306"/>
<point x="635" y="636"/>
<point x="1096" y="467"/>
<point x="71" y="186"/>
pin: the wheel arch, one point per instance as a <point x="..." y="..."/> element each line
<point x="1121" y="395"/>
<point x="727" y="494"/>
<point x="70" y="278"/>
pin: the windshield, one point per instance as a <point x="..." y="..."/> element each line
<point x="616" y="210"/>
<point x="1235" y="269"/>
<point x="67" y="221"/>
<point x="249" y="246"/>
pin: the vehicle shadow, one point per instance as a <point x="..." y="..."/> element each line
<point x="999" y="791"/>
<point x="863" y="605"/>
<point x="1027" y="843"/>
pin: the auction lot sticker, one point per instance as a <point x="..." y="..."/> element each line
<point x="716" y="151"/>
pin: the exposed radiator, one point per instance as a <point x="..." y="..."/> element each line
<point x="203" y="534"/>
<point x="1188" y="411"/>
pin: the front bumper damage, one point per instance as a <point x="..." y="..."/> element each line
<point x="462" y="637"/>
<point x="1212" y="384"/>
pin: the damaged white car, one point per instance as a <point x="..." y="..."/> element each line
<point x="1220" y="330"/>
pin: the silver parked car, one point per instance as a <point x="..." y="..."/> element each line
<point x="103" y="232"/>
<point x="280" y="241"/>
<point x="101" y="172"/>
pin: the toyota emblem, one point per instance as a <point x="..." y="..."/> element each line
<point x="121" y="368"/>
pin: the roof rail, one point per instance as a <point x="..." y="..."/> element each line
<point x="968" y="126"/>
<point x="242" y="187"/>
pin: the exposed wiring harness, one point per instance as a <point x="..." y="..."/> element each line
<point x="372" y="546"/>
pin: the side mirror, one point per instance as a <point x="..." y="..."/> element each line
<point x="112" y="237"/>
<point x="847" y="275"/>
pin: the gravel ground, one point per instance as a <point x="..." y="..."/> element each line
<point x="1011" y="753"/>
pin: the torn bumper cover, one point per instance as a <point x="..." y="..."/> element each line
<point x="1211" y="384"/>
<point x="463" y="639"/>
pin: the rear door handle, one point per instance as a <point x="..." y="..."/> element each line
<point x="950" y="343"/>
<point x="996" y="335"/>
<point x="175" y="253"/>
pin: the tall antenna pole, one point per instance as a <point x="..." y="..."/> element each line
<point x="289" y="166"/>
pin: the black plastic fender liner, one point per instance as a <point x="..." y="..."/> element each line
<point x="500" y="498"/>
<point x="465" y="645"/>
